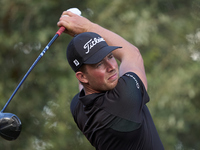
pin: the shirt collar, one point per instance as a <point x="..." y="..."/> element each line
<point x="88" y="100"/>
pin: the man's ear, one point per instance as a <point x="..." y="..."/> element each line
<point x="81" y="77"/>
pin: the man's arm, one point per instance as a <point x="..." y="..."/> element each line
<point x="129" y="56"/>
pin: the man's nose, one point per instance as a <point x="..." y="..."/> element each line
<point x="110" y="66"/>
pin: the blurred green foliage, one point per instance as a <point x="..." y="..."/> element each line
<point x="167" y="32"/>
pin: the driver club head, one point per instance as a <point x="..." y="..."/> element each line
<point x="10" y="126"/>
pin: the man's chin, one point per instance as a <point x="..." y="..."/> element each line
<point x="113" y="84"/>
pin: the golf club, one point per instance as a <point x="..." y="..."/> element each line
<point x="10" y="124"/>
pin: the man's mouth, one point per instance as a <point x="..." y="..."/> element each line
<point x="113" y="77"/>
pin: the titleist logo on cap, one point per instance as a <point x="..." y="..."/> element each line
<point x="91" y="43"/>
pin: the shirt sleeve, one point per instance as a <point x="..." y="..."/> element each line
<point x="127" y="99"/>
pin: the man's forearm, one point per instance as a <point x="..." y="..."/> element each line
<point x="113" y="39"/>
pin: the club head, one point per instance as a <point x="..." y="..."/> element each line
<point x="10" y="126"/>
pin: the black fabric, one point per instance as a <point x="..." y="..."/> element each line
<point x="117" y="119"/>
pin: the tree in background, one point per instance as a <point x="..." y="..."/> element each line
<point x="167" y="34"/>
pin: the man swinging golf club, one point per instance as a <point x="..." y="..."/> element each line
<point x="111" y="108"/>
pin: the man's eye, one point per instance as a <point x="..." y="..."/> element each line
<point x="99" y="64"/>
<point x="110" y="56"/>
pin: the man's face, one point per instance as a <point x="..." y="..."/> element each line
<point x="102" y="76"/>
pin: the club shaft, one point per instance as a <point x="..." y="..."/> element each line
<point x="33" y="65"/>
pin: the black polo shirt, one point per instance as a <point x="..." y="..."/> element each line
<point x="117" y="119"/>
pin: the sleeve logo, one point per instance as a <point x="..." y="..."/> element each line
<point x="137" y="84"/>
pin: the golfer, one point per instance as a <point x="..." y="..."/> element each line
<point x="110" y="108"/>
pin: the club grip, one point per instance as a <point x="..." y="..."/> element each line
<point x="60" y="31"/>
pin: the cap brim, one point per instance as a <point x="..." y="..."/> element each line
<point x="101" y="54"/>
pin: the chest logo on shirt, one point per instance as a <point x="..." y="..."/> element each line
<point x="137" y="84"/>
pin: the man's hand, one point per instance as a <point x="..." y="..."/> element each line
<point x="73" y="23"/>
